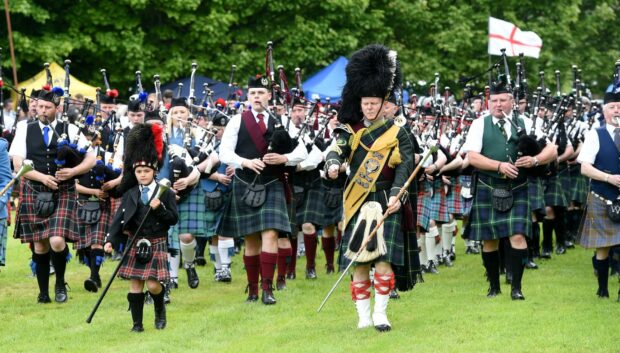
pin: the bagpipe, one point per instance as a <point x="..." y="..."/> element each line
<point x="108" y="136"/>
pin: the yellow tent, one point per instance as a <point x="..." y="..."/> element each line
<point x="58" y="79"/>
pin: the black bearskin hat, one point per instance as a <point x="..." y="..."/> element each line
<point x="372" y="71"/>
<point x="143" y="147"/>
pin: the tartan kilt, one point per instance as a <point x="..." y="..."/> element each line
<point x="3" y="241"/>
<point x="312" y="208"/>
<point x="332" y="215"/>
<point x="156" y="269"/>
<point x="554" y="196"/>
<point x="598" y="230"/>
<point x="465" y="203"/>
<point x="240" y="219"/>
<point x="213" y="218"/>
<point x="408" y="275"/>
<point x="424" y="204"/>
<point x="536" y="193"/>
<point x="61" y="223"/>
<point x="192" y="213"/>
<point x="453" y="198"/>
<point x="579" y="185"/>
<point x="94" y="234"/>
<point x="392" y="233"/>
<point x="565" y="183"/>
<point x="485" y="223"/>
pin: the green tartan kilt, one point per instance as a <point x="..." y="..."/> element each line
<point x="213" y="218"/>
<point x="173" y="238"/>
<point x="311" y="209"/>
<point x="240" y="219"/>
<point x="579" y="185"/>
<point x="486" y="223"/>
<point x="392" y="233"/>
<point x="536" y="193"/>
<point x="554" y="196"/>
<point x="565" y="183"/>
<point x="192" y="213"/>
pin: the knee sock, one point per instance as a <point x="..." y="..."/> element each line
<point x="559" y="225"/>
<point x="252" y="269"/>
<point x="310" y="240"/>
<point x="329" y="247"/>
<point x="59" y="261"/>
<point x="491" y="264"/>
<point x="173" y="262"/>
<point x="268" y="263"/>
<point x="217" y="262"/>
<point x="96" y="259"/>
<point x="42" y="263"/>
<point x="223" y="247"/>
<point x="284" y="257"/>
<point x="188" y="251"/>
<point x="547" y="243"/>
<point x="516" y="262"/>
<point x="293" y="263"/>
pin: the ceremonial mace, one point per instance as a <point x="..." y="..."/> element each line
<point x="402" y="190"/>
<point x="164" y="185"/>
<point x="26" y="167"/>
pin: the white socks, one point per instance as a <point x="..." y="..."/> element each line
<point x="188" y="251"/>
<point x="223" y="247"/>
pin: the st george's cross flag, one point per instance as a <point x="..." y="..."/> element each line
<point x="505" y="35"/>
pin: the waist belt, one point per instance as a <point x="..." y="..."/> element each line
<point x="609" y="202"/>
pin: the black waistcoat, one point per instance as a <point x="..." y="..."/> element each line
<point x="42" y="156"/>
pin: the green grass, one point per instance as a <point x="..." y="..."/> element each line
<point x="449" y="312"/>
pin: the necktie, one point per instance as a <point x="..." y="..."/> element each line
<point x="617" y="137"/>
<point x="261" y="123"/>
<point x="46" y="138"/>
<point x="500" y="124"/>
<point x="145" y="195"/>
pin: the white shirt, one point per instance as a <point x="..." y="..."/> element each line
<point x="476" y="132"/>
<point x="18" y="146"/>
<point x="151" y="187"/>
<point x="229" y="144"/>
<point x="591" y="145"/>
<point x="315" y="157"/>
<point x="9" y="120"/>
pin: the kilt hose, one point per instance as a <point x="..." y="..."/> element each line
<point x="192" y="213"/>
<point x="156" y="269"/>
<point x="61" y="223"/>
<point x="240" y="219"/>
<point x="94" y="234"/>
<point x="392" y="233"/>
<point x="598" y="231"/>
<point x="485" y="223"/>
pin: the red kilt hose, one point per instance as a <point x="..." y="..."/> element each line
<point x="94" y="234"/>
<point x="156" y="269"/>
<point x="61" y="223"/>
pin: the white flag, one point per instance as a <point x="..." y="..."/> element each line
<point x="505" y="35"/>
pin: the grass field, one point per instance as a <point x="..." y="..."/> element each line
<point x="449" y="312"/>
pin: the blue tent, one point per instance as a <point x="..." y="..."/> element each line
<point x="220" y="89"/>
<point x="329" y="82"/>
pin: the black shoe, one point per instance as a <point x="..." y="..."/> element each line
<point x="569" y="244"/>
<point x="251" y="298"/>
<point x="531" y="265"/>
<point x="383" y="328"/>
<point x="44" y="298"/>
<point x="310" y="273"/>
<point x="516" y="294"/>
<point x="469" y="250"/>
<point x="560" y="250"/>
<point x="61" y="293"/>
<point x="602" y="293"/>
<point x="508" y="277"/>
<point x="192" y="276"/>
<point x="394" y="294"/>
<point x="91" y="285"/>
<point x="452" y="255"/>
<point x="291" y="275"/>
<point x="98" y="281"/>
<point x="137" y="328"/>
<point x="281" y="284"/>
<point x="493" y="292"/>
<point x="431" y="268"/>
<point x="330" y="269"/>
<point x="545" y="254"/>
<point x="200" y="261"/>
<point x="267" y="297"/>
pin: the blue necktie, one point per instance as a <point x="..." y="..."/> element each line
<point x="145" y="195"/>
<point x="46" y="138"/>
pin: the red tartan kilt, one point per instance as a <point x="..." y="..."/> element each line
<point x="94" y="234"/>
<point x="156" y="269"/>
<point x="61" y="223"/>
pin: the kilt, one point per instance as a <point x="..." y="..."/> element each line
<point x="579" y="184"/>
<point x="565" y="182"/>
<point x="3" y="241"/>
<point x="192" y="213"/>
<point x="332" y="215"/>
<point x="156" y="269"/>
<point x="536" y="193"/>
<point x="598" y="231"/>
<point x="432" y="204"/>
<point x="424" y="204"/>
<point x="213" y="218"/>
<point x="173" y="238"/>
<point x="312" y="208"/>
<point x="465" y="203"/>
<point x="61" y="223"/>
<point x="554" y="196"/>
<point x="486" y="223"/>
<point x="94" y="234"/>
<point x="453" y="198"/>
<point x="240" y="219"/>
<point x="392" y="233"/>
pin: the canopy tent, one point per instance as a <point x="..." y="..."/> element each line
<point x="220" y="89"/>
<point x="58" y="79"/>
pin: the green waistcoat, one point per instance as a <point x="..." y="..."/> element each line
<point x="495" y="146"/>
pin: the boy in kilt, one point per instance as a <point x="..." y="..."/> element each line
<point x="46" y="216"/>
<point x="146" y="262"/>
<point x="501" y="208"/>
<point x="599" y="158"/>
<point x="257" y="210"/>
<point x="380" y="158"/>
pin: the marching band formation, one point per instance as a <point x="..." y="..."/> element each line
<point x="166" y="180"/>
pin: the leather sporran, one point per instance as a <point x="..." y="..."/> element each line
<point x="45" y="203"/>
<point x="298" y="194"/>
<point x="502" y="200"/>
<point x="255" y="195"/>
<point x="613" y="211"/>
<point x="89" y="212"/>
<point x="333" y="197"/>
<point x="214" y="200"/>
<point x="144" y="251"/>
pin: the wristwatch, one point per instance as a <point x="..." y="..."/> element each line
<point x="535" y="162"/>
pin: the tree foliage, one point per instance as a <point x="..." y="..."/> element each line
<point x="164" y="36"/>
